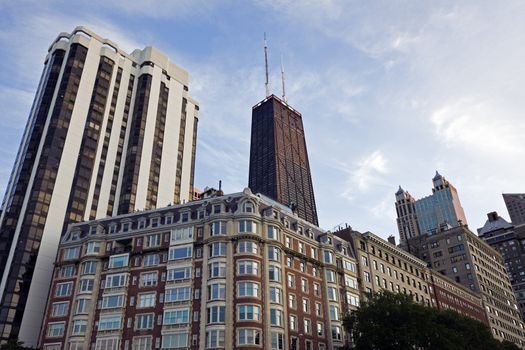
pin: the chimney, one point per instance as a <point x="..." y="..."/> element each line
<point x="493" y="216"/>
<point x="392" y="240"/>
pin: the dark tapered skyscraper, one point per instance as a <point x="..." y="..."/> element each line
<point x="279" y="166"/>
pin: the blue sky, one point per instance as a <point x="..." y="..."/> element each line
<point x="389" y="91"/>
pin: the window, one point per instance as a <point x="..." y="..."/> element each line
<point x="148" y="279"/>
<point x="332" y="294"/>
<point x="351" y="282"/>
<point x="116" y="280"/>
<point x="302" y="267"/>
<point x="71" y="253"/>
<point x="67" y="271"/>
<point x="215" y="338"/>
<point x="301" y="247"/>
<point x="248" y="267"/>
<point x="217" y="269"/>
<point x="151" y="260"/>
<point x="248" y="312"/>
<point x="112" y="301"/>
<point x="217" y="291"/>
<point x="181" y="234"/>
<point x="292" y="301"/>
<point x="353" y="299"/>
<point x="330" y="276"/>
<point x="55" y="329"/>
<point x="178" y="273"/>
<point x="82" y="306"/>
<point x="328" y="257"/>
<point x="290" y="278"/>
<point x="273" y="233"/>
<point x="86" y="285"/>
<point x="146" y="300"/>
<point x="247" y="226"/>
<point x="248" y="247"/>
<point x="154" y="222"/>
<point x="320" y="329"/>
<point x="306" y="305"/>
<point x="177" y="340"/>
<point x="276" y="295"/>
<point x="168" y="220"/>
<point x="79" y="327"/>
<point x="152" y="241"/>
<point x="109" y="322"/>
<point x="277" y="340"/>
<point x="63" y="289"/>
<point x="144" y="321"/>
<point x="317" y="289"/>
<point x="304" y="285"/>
<point x="216" y="314"/>
<point x="288" y="242"/>
<point x="293" y="322"/>
<point x="217" y="249"/>
<point x="184" y="217"/>
<point x="107" y="344"/>
<point x="218" y="228"/>
<point x="307" y="326"/>
<point x="177" y="294"/>
<point x="118" y="261"/>
<point x="347" y="265"/>
<point x="276" y="317"/>
<point x="318" y="310"/>
<point x="249" y="337"/>
<point x="336" y="332"/>
<point x="217" y="208"/>
<point x="93" y="248"/>
<point x="247" y="208"/>
<point x="89" y="267"/>
<point x="248" y="289"/>
<point x="274" y="273"/>
<point x="60" y="309"/>
<point x="142" y="343"/>
<point x="274" y="253"/>
<point x="183" y="252"/>
<point x="334" y="313"/>
<point x="176" y="316"/>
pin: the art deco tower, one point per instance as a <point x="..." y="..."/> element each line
<point x="108" y="133"/>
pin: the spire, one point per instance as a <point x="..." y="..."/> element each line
<point x="437" y="176"/>
<point x="400" y="190"/>
<point x="282" y="79"/>
<point x="266" y="84"/>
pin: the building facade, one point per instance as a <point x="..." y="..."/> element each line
<point x="466" y="259"/>
<point x="108" y="133"/>
<point x="227" y="271"/>
<point x="441" y="208"/>
<point x="515" y="203"/>
<point x="279" y="166"/>
<point x="509" y="241"/>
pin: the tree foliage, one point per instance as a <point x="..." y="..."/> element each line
<point x="388" y="321"/>
<point x="14" y="345"/>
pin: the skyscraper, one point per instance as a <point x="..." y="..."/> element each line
<point x="109" y="132"/>
<point x="442" y="207"/>
<point x="515" y="203"/>
<point x="279" y="166"/>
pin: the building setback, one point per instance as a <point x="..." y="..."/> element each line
<point x="426" y="215"/>
<point x="509" y="241"/>
<point x="108" y="133"/>
<point x="279" y="166"/>
<point x="226" y="271"/>
<point x="515" y="203"/>
<point x="465" y="258"/>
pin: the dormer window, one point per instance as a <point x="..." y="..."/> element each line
<point x="217" y="209"/>
<point x="113" y="228"/>
<point x="142" y="224"/>
<point x="185" y="217"/>
<point x="125" y="227"/>
<point x="93" y="230"/>
<point x="300" y="230"/>
<point x="201" y="214"/>
<point x="248" y="207"/>
<point x="169" y="220"/>
<point x="154" y="222"/>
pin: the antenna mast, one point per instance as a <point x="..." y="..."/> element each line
<point x="266" y="66"/>
<point x="282" y="79"/>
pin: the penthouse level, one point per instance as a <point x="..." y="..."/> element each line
<point x="230" y="271"/>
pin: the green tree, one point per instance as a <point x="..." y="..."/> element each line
<point x="14" y="345"/>
<point x="388" y="321"/>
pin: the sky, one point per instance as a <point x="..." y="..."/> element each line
<point x="389" y="91"/>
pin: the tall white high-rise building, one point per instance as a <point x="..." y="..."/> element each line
<point x="108" y="133"/>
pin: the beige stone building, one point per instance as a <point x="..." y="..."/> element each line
<point x="465" y="258"/>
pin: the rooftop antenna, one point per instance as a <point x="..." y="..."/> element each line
<point x="282" y="78"/>
<point x="266" y="66"/>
